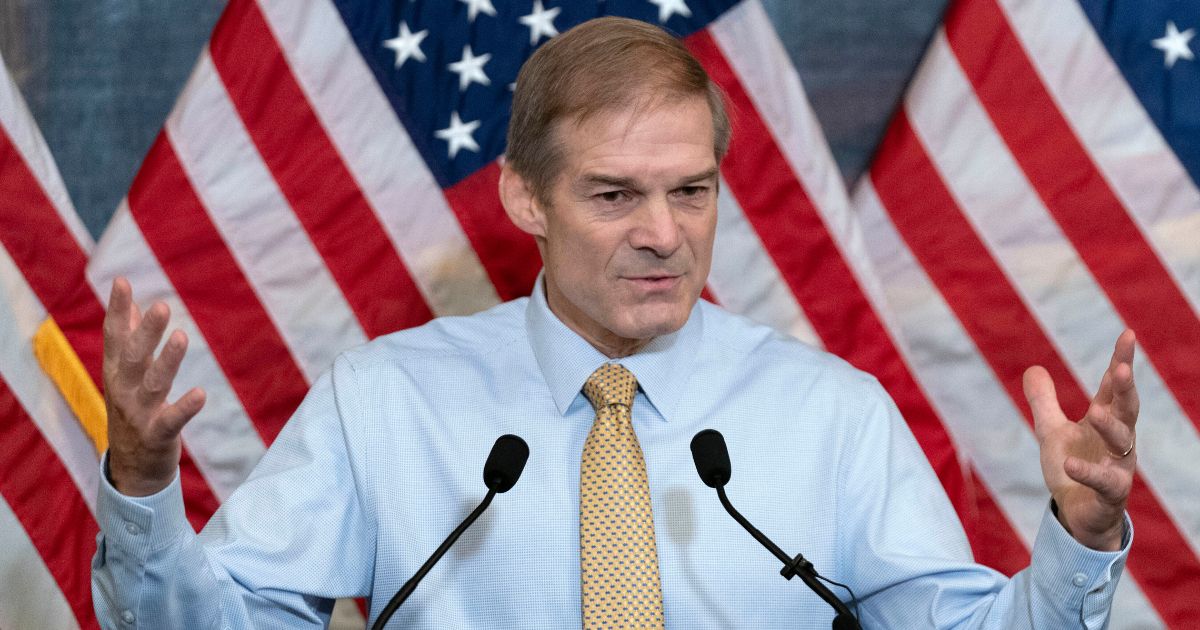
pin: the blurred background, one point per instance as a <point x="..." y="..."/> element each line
<point x="102" y="75"/>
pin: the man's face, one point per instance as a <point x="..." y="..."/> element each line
<point x="628" y="234"/>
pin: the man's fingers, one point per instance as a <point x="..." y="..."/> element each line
<point x="161" y="374"/>
<point x="135" y="316"/>
<point x="1116" y="435"/>
<point x="116" y="318"/>
<point x="1125" y="402"/>
<point x="139" y="347"/>
<point x="171" y="420"/>
<point x="1106" y="481"/>
<point x="1122" y="353"/>
<point x="1043" y="400"/>
<point x="1124" y="348"/>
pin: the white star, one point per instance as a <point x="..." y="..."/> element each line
<point x="470" y="68"/>
<point x="407" y="45"/>
<point x="540" y="22"/>
<point x="1175" y="44"/>
<point x="475" y="7"/>
<point x="667" y="8"/>
<point x="458" y="134"/>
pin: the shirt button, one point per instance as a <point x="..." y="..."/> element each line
<point x="133" y="530"/>
<point x="127" y="616"/>
<point x="1079" y="580"/>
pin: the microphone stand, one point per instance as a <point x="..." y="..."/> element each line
<point x="412" y="582"/>
<point x="798" y="566"/>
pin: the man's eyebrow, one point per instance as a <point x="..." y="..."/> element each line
<point x="699" y="177"/>
<point x="600" y="179"/>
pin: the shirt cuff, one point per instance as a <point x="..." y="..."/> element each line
<point x="140" y="526"/>
<point x="1080" y="577"/>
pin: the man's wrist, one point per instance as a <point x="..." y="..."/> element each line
<point x="129" y="483"/>
<point x="1112" y="539"/>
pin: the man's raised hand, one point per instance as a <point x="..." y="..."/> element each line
<point x="1089" y="465"/>
<point x="143" y="429"/>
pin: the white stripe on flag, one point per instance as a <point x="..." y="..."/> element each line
<point x="744" y="278"/>
<point x="1116" y="130"/>
<point x="222" y="440"/>
<point x="375" y="146"/>
<point x="990" y="431"/>
<point x="346" y="616"/>
<point x="258" y="225"/>
<point x="30" y="597"/>
<point x="1046" y="271"/>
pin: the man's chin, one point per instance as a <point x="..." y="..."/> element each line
<point x="656" y="325"/>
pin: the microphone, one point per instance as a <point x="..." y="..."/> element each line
<point x="505" y="463"/>
<point x="711" y="457"/>
<point x="500" y="473"/>
<point x="712" y="463"/>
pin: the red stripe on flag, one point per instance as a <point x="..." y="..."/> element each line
<point x="312" y="175"/>
<point x="44" y="498"/>
<point x="812" y="264"/>
<point x="1077" y="195"/>
<point x="49" y="257"/>
<point x="243" y="339"/>
<point x="509" y="255"/>
<point x="1010" y="338"/>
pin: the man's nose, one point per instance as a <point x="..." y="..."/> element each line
<point x="657" y="228"/>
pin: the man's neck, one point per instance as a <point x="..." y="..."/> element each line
<point x="608" y="344"/>
<point x="620" y="350"/>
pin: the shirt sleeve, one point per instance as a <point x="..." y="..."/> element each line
<point x="293" y="537"/>
<point x="908" y="553"/>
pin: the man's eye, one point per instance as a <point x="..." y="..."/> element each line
<point x="691" y="193"/>
<point x="613" y="196"/>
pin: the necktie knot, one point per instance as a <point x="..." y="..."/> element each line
<point x="610" y="384"/>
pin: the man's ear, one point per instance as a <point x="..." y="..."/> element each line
<point x="521" y="204"/>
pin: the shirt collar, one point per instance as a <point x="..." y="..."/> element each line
<point x="567" y="360"/>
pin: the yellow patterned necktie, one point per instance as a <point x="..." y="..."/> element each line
<point x="617" y="551"/>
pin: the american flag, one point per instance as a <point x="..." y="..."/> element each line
<point x="329" y="175"/>
<point x="1035" y="194"/>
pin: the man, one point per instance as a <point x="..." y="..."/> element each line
<point x="614" y="148"/>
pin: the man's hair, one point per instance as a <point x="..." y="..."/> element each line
<point x="602" y="65"/>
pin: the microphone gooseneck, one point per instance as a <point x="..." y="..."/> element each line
<point x="712" y="463"/>
<point x="500" y="472"/>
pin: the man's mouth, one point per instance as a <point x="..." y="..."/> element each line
<point x="657" y="282"/>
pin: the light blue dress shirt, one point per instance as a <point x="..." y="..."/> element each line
<point x="384" y="458"/>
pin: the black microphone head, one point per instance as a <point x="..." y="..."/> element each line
<point x="505" y="463"/>
<point x="711" y="457"/>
